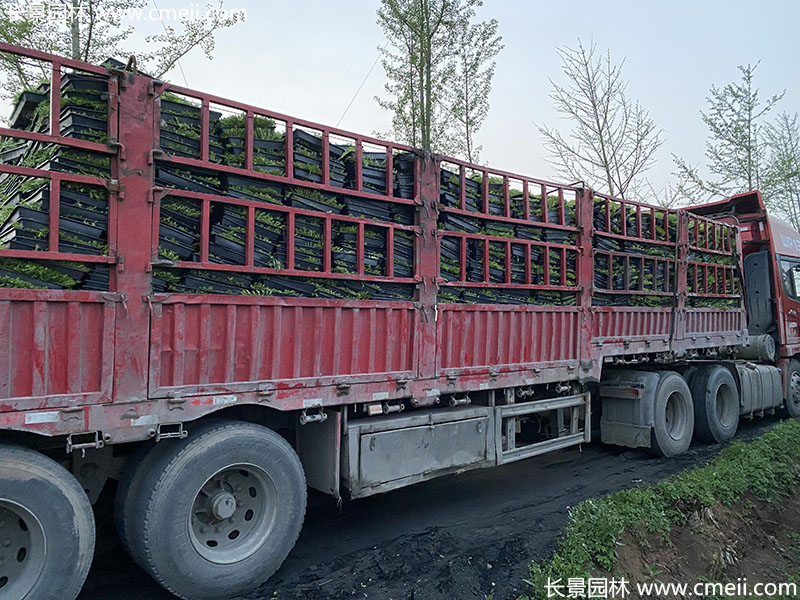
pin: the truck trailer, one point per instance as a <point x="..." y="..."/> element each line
<point x="207" y="307"/>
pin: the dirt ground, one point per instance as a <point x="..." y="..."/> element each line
<point x="465" y="536"/>
<point x="752" y="542"/>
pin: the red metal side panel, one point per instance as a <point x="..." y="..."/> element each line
<point x="619" y="323"/>
<point x="475" y="336"/>
<point x="211" y="342"/>
<point x="56" y="349"/>
<point x="716" y="321"/>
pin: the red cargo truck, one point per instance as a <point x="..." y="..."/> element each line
<point x="219" y="311"/>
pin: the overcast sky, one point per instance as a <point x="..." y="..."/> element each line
<point x="307" y="58"/>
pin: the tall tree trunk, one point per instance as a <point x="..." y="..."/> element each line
<point x="74" y="30"/>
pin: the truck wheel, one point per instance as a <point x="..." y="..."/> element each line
<point x="217" y="514"/>
<point x="673" y="418"/>
<point x="793" y="392"/>
<point x="46" y="528"/>
<point x="129" y="486"/>
<point x="716" y="404"/>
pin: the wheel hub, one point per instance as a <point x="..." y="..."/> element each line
<point x="22" y="549"/>
<point x="794" y="388"/>
<point x="223" y="505"/>
<point x="233" y="513"/>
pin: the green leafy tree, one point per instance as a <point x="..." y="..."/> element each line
<point x="421" y="59"/>
<point x="478" y="45"/>
<point x="781" y="182"/>
<point x="613" y="139"/>
<point x="736" y="149"/>
<point x="94" y="30"/>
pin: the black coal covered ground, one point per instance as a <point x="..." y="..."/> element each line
<point x="459" y="537"/>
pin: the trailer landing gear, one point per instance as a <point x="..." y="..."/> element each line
<point x="215" y="515"/>
<point x="46" y="528"/>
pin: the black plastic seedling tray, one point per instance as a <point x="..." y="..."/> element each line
<point x="167" y="178"/>
<point x="368" y="209"/>
<point x="42" y="283"/>
<point x="297" y="201"/>
<point x="178" y="235"/>
<point x="82" y="119"/>
<point x="68" y="165"/>
<point x="73" y="82"/>
<point x="21" y="117"/>
<point x="183" y="252"/>
<point x="186" y="222"/>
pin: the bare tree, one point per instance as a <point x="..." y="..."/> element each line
<point x="477" y="46"/>
<point x="613" y="139"/>
<point x="736" y="150"/>
<point x="94" y="30"/>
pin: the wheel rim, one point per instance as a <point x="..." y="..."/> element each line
<point x="22" y="549"/>
<point x="726" y="405"/>
<point x="794" y="389"/>
<point x="233" y="513"/>
<point x="676" y="416"/>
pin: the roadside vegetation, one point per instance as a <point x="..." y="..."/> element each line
<point x="744" y="476"/>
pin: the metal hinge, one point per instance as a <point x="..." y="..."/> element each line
<point x="119" y="147"/>
<point x="266" y="391"/>
<point x="120" y="297"/>
<point x="117" y="188"/>
<point x="154" y="302"/>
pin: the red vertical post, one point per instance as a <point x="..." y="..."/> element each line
<point x="526" y="201"/>
<point x="427" y="262"/>
<point x="54" y="209"/>
<point x="248" y="140"/>
<point x="677" y="342"/>
<point x="326" y="158"/>
<point x="204" y="130"/>
<point x="55" y="100"/>
<point x="250" y="237"/>
<point x="390" y="251"/>
<point x="359" y="165"/>
<point x="584" y="215"/>
<point x="390" y="171"/>
<point x="137" y="110"/>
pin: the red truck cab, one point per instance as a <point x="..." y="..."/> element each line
<point x="771" y="278"/>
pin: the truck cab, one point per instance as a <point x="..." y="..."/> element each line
<point x="771" y="259"/>
<point x="771" y="278"/>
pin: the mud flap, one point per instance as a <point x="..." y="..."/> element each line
<point x="628" y="399"/>
<point x="319" y="446"/>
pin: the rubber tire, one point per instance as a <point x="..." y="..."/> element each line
<point x="58" y="501"/>
<point x="705" y="386"/>
<point x="129" y="487"/>
<point x="157" y="526"/>
<point x="792" y="406"/>
<point x="661" y="442"/>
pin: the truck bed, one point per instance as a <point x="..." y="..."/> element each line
<point x="507" y="280"/>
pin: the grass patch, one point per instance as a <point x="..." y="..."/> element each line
<point x="764" y="468"/>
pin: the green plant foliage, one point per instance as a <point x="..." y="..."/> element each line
<point x="765" y="468"/>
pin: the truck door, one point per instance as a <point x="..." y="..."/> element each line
<point x="790" y="281"/>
